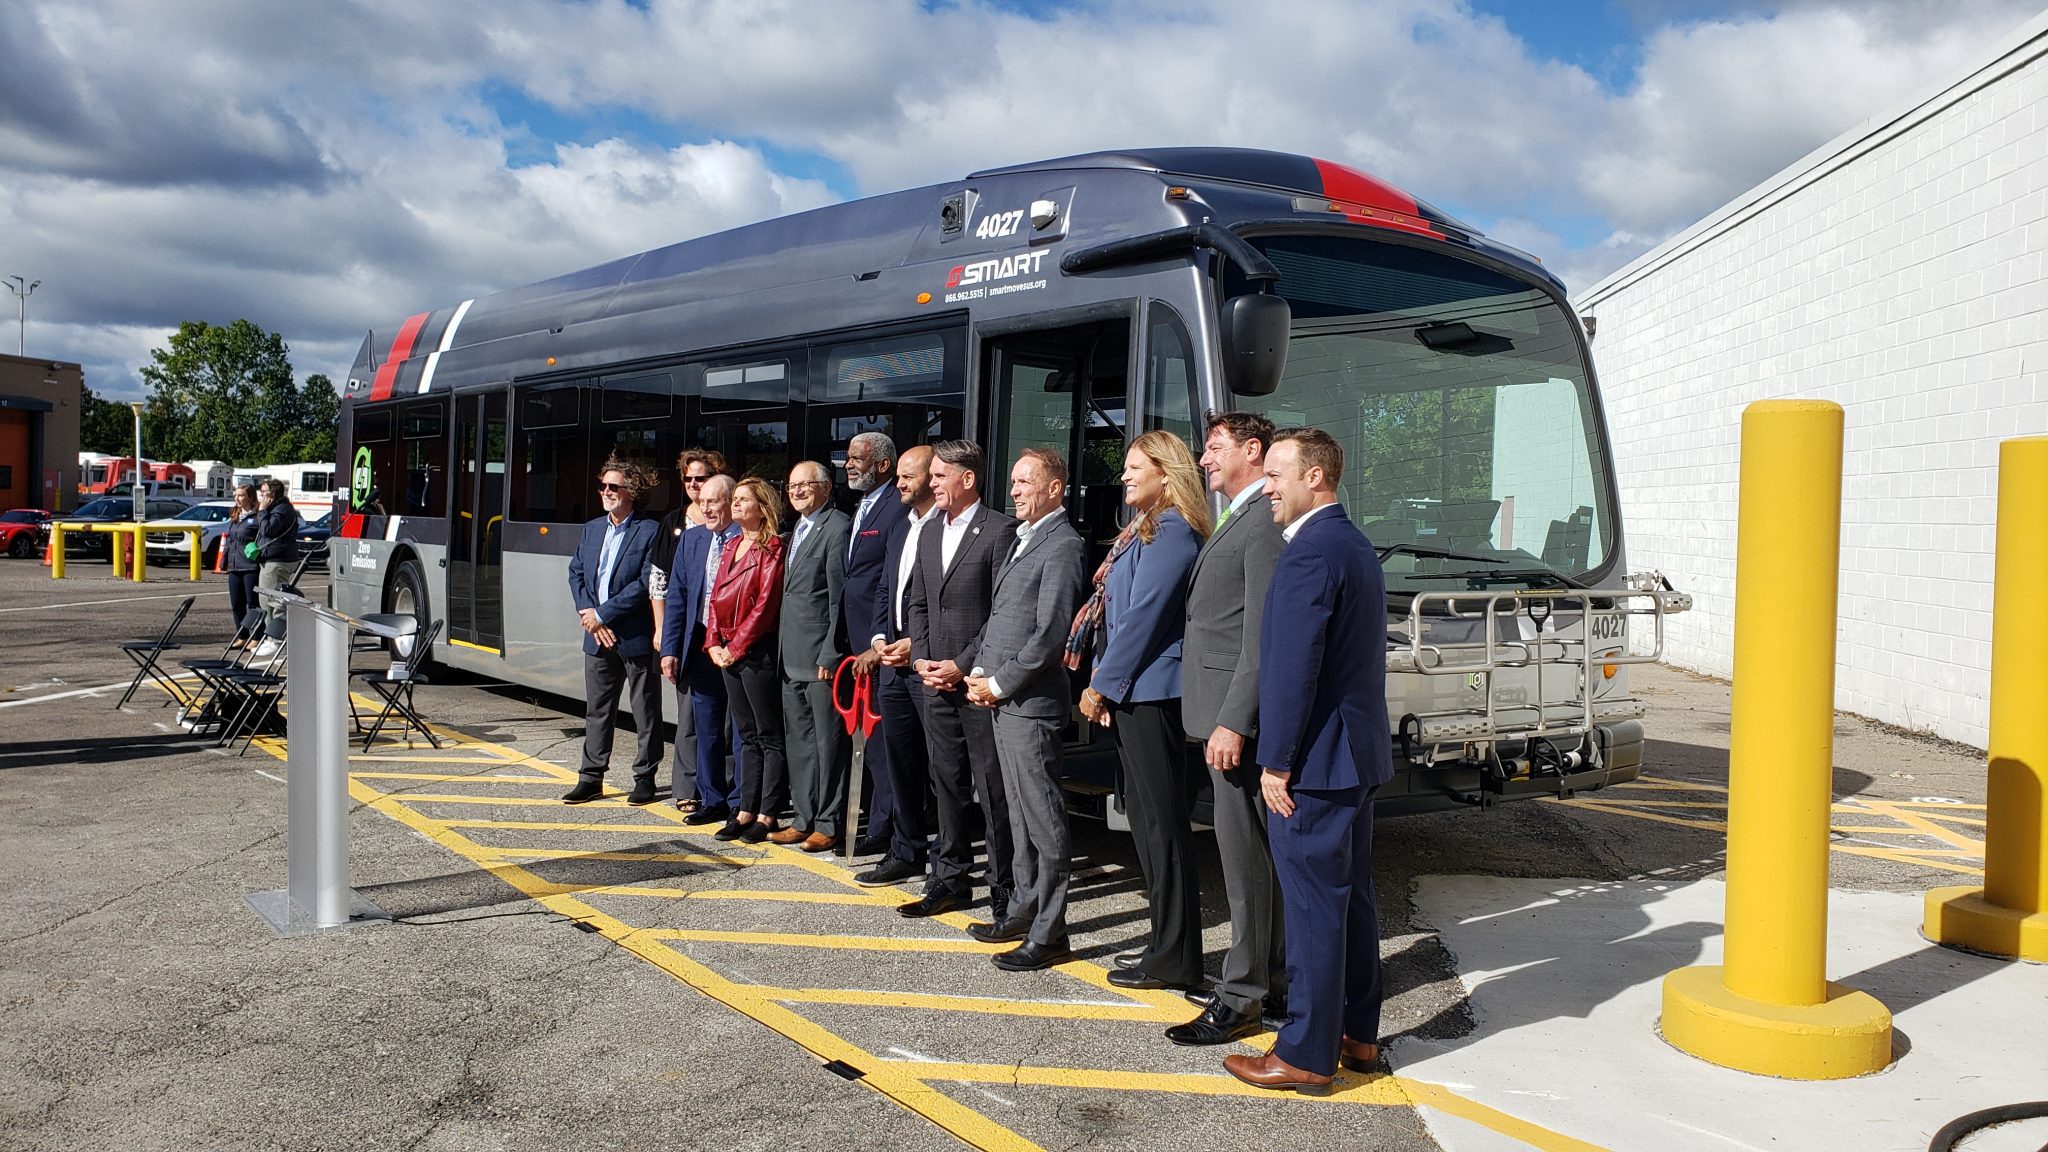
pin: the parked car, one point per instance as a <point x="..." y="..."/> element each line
<point x="314" y="534"/>
<point x="177" y="546"/>
<point x="22" y="532"/>
<point x="110" y="509"/>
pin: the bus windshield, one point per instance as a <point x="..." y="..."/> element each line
<point x="1473" y="455"/>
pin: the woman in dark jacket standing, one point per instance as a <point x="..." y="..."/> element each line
<point x="740" y="637"/>
<point x="277" y="549"/>
<point x="1140" y="603"/>
<point x="241" y="569"/>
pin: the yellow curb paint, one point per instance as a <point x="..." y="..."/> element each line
<point x="842" y="943"/>
<point x="987" y="1005"/>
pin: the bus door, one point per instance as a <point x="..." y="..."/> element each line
<point x="1064" y="389"/>
<point x="909" y="387"/>
<point x="476" y="538"/>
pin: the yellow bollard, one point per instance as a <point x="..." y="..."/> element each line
<point x="56" y="550"/>
<point x="197" y="559"/>
<point x="117" y="550"/>
<point x="2008" y="916"/>
<point x="140" y="567"/>
<point x="1770" y="1008"/>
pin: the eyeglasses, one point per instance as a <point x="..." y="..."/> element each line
<point x="809" y="483"/>
<point x="688" y="480"/>
<point x="603" y="487"/>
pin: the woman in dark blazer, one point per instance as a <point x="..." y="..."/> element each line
<point x="1141" y="596"/>
<point x="242" y="568"/>
<point x="746" y="605"/>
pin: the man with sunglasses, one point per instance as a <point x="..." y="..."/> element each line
<point x="608" y="580"/>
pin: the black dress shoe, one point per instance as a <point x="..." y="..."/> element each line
<point x="707" y="816"/>
<point x="1200" y="997"/>
<point x="1031" y="956"/>
<point x="643" y="793"/>
<point x="1218" y="1024"/>
<point x="871" y="846"/>
<point x="1275" y="1011"/>
<point x="1000" y="932"/>
<point x="733" y="830"/>
<point x="584" y="792"/>
<point x="1137" y="979"/>
<point x="932" y="904"/>
<point x="888" y="872"/>
<point x="754" y="832"/>
<point x="1128" y="959"/>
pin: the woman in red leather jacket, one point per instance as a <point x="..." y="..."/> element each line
<point x="746" y="604"/>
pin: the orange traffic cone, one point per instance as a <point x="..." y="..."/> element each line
<point x="220" y="554"/>
<point x="46" y="553"/>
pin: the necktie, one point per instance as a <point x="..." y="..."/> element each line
<point x="1225" y="518"/>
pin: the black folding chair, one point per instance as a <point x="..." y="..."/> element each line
<point x="249" y="696"/>
<point x="145" y="653"/>
<point x="395" y="685"/>
<point x="202" y="710"/>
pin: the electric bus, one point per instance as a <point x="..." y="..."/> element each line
<point x="1071" y="303"/>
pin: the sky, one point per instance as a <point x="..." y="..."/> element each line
<point x="323" y="169"/>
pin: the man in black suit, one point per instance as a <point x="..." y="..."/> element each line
<point x="958" y="556"/>
<point x="899" y="694"/>
<point x="871" y="471"/>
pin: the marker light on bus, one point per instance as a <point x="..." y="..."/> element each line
<point x="1606" y="670"/>
<point x="924" y="297"/>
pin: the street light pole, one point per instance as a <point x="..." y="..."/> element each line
<point x="135" y="493"/>
<point x="22" y="291"/>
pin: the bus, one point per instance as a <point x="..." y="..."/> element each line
<point x="1074" y="303"/>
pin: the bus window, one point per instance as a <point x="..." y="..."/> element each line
<point x="372" y="431"/>
<point x="648" y="396"/>
<point x="898" y="367"/>
<point x="552" y="469"/>
<point x="637" y="424"/>
<point x="422" y="486"/>
<point x="1169" y="374"/>
<point x="766" y="380"/>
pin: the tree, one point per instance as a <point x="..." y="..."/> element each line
<point x="103" y="425"/>
<point x="227" y="393"/>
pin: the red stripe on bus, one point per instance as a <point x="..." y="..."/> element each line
<point x="1368" y="200"/>
<point x="352" y="526"/>
<point x="401" y="348"/>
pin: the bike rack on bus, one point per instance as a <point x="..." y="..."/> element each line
<point x="1544" y="652"/>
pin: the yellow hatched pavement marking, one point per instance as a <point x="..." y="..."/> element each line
<point x="445" y="778"/>
<point x="783" y="897"/>
<point x="907" y="1083"/>
<point x="836" y="943"/>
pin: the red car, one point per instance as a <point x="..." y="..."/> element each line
<point x="22" y="532"/>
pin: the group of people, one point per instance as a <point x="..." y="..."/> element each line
<point x="260" y="546"/>
<point x="1258" y="634"/>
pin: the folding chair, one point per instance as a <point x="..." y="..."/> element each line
<point x="145" y="653"/>
<point x="253" y="693"/>
<point x="395" y="685"/>
<point x="201" y="710"/>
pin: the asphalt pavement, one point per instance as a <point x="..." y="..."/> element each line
<point x="605" y="977"/>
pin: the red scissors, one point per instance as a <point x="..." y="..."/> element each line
<point x="859" y="715"/>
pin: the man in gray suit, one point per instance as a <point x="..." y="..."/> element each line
<point x="1020" y="675"/>
<point x="813" y="575"/>
<point x="1219" y="672"/>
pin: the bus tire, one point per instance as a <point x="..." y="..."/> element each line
<point x="407" y="594"/>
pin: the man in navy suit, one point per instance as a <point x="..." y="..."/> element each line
<point x="608" y="582"/>
<point x="685" y="663"/>
<point x="899" y="694"/>
<point x="871" y="471"/>
<point x="1324" y="750"/>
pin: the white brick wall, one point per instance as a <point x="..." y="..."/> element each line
<point x="1902" y="272"/>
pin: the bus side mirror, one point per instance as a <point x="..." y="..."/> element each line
<point x="1254" y="331"/>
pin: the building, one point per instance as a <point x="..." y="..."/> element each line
<point x="39" y="433"/>
<point x="1901" y="270"/>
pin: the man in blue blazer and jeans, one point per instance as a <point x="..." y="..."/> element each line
<point x="1324" y="750"/>
<point x="608" y="582"/>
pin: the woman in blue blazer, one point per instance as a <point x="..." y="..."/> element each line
<point x="1141" y="602"/>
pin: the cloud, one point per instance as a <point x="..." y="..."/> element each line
<point x="321" y="169"/>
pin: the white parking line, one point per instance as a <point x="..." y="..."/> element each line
<point x="122" y="600"/>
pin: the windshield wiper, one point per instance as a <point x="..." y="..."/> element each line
<point x="1501" y="575"/>
<point x="1425" y="550"/>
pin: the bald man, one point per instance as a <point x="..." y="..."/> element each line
<point x="813" y="586"/>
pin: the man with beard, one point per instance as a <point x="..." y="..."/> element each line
<point x="871" y="471"/>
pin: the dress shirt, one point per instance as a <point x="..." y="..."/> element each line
<point x="803" y="529"/>
<point x="955" y="528"/>
<point x="1238" y="502"/>
<point x="608" y="556"/>
<point x="718" y="543"/>
<point x="1288" y="532"/>
<point x="860" y="513"/>
<point x="904" y="564"/>
<point x="1024" y="534"/>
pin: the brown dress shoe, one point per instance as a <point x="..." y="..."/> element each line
<point x="819" y="842"/>
<point x="1270" y="1071"/>
<point x="786" y="835"/>
<point x="1358" y="1056"/>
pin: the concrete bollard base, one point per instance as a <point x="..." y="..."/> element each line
<point x="1849" y="1035"/>
<point x="1961" y="917"/>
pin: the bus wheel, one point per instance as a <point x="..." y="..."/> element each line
<point x="407" y="596"/>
